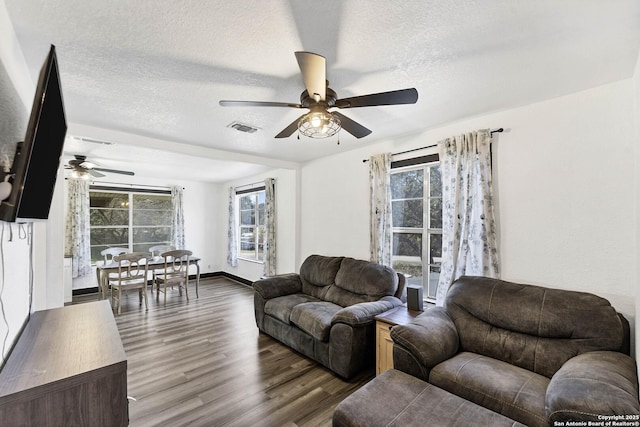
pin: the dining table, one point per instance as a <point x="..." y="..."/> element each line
<point x="104" y="269"/>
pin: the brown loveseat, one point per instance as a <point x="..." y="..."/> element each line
<point x="533" y="354"/>
<point x="326" y="312"/>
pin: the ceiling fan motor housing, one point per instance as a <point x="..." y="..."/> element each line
<point x="307" y="101"/>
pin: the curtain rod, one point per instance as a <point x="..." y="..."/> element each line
<point x="124" y="185"/>
<point x="499" y="130"/>
<point x="250" y="185"/>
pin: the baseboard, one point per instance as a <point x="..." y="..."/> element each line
<point x="84" y="291"/>
<point x="233" y="277"/>
<point x="230" y="276"/>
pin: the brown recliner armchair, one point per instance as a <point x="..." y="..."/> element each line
<point x="533" y="354"/>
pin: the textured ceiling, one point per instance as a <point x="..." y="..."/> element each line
<point x="148" y="73"/>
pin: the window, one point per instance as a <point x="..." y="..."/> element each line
<point x="416" y="206"/>
<point x="251" y="231"/>
<point x="130" y="219"/>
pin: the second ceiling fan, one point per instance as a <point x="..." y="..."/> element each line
<point x="320" y="122"/>
<point x="83" y="168"/>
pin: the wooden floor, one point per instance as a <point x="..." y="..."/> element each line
<point x="204" y="363"/>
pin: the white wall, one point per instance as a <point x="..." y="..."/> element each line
<point x="12" y="58"/>
<point x="16" y="250"/>
<point x="14" y="284"/>
<point x="335" y="204"/>
<point x="563" y="175"/>
<point x="48" y="237"/>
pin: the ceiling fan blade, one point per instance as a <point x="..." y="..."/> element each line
<point x="95" y="173"/>
<point x="394" y="97"/>
<point x="314" y="74"/>
<point x="289" y="130"/>
<point x="113" y="171"/>
<point x="227" y="103"/>
<point x="353" y="127"/>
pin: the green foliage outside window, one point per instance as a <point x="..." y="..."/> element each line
<point x="416" y="205"/>
<point x="132" y="220"/>
<point x="252" y="225"/>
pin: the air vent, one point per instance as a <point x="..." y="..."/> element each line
<point x="243" y="127"/>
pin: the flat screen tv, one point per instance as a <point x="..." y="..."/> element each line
<point x="37" y="158"/>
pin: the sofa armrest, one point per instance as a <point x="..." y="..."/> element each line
<point x="276" y="286"/>
<point x="364" y="312"/>
<point x="431" y="337"/>
<point x="593" y="385"/>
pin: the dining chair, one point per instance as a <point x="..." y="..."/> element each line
<point x="132" y="274"/>
<point x="156" y="252"/>
<point x="175" y="272"/>
<point x="108" y="255"/>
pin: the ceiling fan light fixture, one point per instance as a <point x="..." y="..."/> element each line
<point x="79" y="174"/>
<point x="319" y="124"/>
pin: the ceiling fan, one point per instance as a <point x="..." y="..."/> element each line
<point x="319" y="98"/>
<point x="82" y="168"/>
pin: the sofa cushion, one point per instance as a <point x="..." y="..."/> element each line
<point x="509" y="390"/>
<point x="549" y="326"/>
<point x="394" y="398"/>
<point x="281" y="307"/>
<point x="363" y="314"/>
<point x="361" y="281"/>
<point x="318" y="273"/>
<point x="315" y="318"/>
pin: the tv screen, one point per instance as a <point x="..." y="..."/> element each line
<point x="37" y="158"/>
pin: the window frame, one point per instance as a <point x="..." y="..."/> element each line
<point x="258" y="254"/>
<point x="130" y="226"/>
<point x="427" y="231"/>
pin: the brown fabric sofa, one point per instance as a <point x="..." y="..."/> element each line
<point x="326" y="311"/>
<point x="533" y="354"/>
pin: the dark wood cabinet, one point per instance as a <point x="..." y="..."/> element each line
<point x="67" y="368"/>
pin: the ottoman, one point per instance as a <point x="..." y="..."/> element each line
<point x="397" y="399"/>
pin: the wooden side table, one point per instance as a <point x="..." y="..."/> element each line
<point x="384" y="344"/>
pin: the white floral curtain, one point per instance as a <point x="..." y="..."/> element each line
<point x="77" y="231"/>
<point x="380" y="214"/>
<point x="270" y="227"/>
<point x="177" y="223"/>
<point x="468" y="226"/>
<point x="232" y="248"/>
